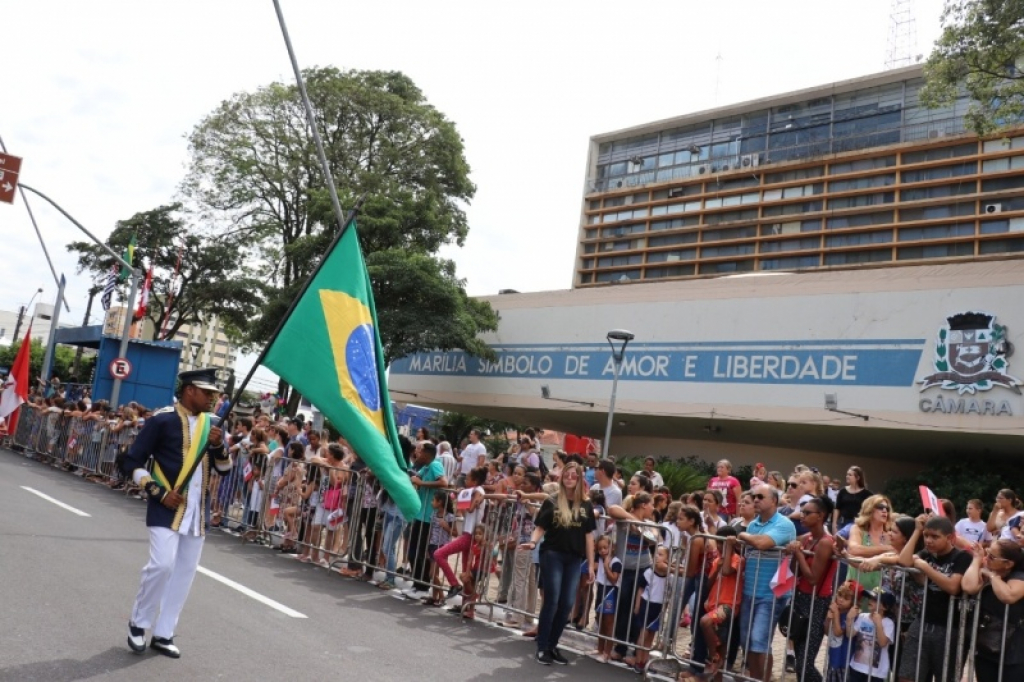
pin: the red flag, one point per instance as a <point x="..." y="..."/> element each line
<point x="140" y="312"/>
<point x="16" y="385"/>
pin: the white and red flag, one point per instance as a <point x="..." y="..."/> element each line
<point x="16" y="384"/>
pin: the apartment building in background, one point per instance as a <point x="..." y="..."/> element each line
<point x="853" y="174"/>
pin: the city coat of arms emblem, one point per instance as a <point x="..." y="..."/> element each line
<point x="971" y="354"/>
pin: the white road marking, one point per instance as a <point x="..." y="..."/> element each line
<point x="251" y="593"/>
<point x="55" y="501"/>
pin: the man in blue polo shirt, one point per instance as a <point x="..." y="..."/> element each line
<point x="765" y="538"/>
<point x="428" y="479"/>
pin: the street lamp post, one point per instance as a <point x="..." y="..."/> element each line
<point x="624" y="337"/>
<point x="21" y="314"/>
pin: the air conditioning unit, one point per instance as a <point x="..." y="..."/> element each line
<point x="724" y="167"/>
<point x="676" y="192"/>
<point x="993" y="208"/>
<point x="636" y="161"/>
<point x="933" y="134"/>
<point x="617" y="184"/>
<point x="705" y="169"/>
<point x="750" y="161"/>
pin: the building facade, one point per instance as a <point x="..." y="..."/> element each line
<point x="41" y="319"/>
<point x="203" y="345"/>
<point x="885" y="368"/>
<point x="853" y="174"/>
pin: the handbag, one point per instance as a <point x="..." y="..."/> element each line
<point x="332" y="500"/>
<point x="989" y="642"/>
<point x="795" y="629"/>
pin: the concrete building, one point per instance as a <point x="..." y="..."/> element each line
<point x="41" y="318"/>
<point x="830" y="276"/>
<point x="851" y="174"/>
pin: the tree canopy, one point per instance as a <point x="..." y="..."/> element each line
<point x="254" y="173"/>
<point x="212" y="276"/>
<point x="981" y="49"/>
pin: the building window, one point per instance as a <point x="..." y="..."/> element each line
<point x="792" y="209"/>
<point x="862" y="165"/>
<point x="670" y="271"/>
<point x="1001" y="246"/>
<point x="862" y="200"/>
<point x="671" y="256"/>
<point x="625" y="245"/>
<point x="956" y="170"/>
<point x="805" y="244"/>
<point x="730" y="216"/>
<point x="731" y="233"/>
<point x="1001" y="226"/>
<point x="618" y="276"/>
<point x="940" y="153"/>
<point x="796" y="174"/>
<point x="862" y="183"/>
<point x="859" y="239"/>
<point x="962" y="187"/>
<point x="935" y="251"/>
<point x="934" y="212"/>
<point x="622" y="230"/>
<point x="854" y="257"/>
<point x="689" y="221"/>
<point x="721" y="251"/>
<point x="589" y="248"/>
<point x="1015" y="182"/>
<point x="728" y="267"/>
<point x="672" y="239"/>
<point x="910" y="234"/>
<point x="860" y="220"/>
<point x="792" y="262"/>
<point x="612" y="261"/>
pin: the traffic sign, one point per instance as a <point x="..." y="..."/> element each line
<point x="10" y="166"/>
<point x="120" y="368"/>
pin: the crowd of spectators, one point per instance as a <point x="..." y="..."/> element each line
<point x="594" y="546"/>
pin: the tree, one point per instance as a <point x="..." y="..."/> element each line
<point x="212" y="276"/>
<point x="63" y="358"/>
<point x="254" y="170"/>
<point x="981" y="49"/>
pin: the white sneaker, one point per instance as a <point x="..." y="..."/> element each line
<point x="415" y="594"/>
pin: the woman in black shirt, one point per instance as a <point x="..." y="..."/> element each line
<point x="566" y="522"/>
<point x="850" y="499"/>
<point x="999" y="575"/>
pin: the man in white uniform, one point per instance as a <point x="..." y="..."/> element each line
<point x="179" y="440"/>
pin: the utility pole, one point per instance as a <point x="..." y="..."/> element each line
<point x="85" y="323"/>
<point x="17" y="327"/>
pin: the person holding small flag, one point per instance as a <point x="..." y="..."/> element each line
<point x="184" y="442"/>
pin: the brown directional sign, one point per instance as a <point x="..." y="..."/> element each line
<point x="10" y="166"/>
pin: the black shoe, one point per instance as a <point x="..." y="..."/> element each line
<point x="790" y="663"/>
<point x="453" y="592"/>
<point x="545" y="658"/>
<point x="557" y="657"/>
<point x="136" y="638"/>
<point x="165" y="647"/>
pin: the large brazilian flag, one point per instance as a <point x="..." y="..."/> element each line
<point x="329" y="350"/>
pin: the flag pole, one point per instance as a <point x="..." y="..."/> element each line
<point x="339" y="214"/>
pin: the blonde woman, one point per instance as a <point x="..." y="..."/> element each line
<point x="566" y="522"/>
<point x="870" y="536"/>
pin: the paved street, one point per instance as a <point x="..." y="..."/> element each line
<point x="67" y="583"/>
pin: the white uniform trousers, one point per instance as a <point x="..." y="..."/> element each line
<point x="166" y="580"/>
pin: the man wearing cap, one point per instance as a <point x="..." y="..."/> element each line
<point x="181" y="440"/>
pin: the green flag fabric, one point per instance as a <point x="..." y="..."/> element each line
<point x="329" y="350"/>
<point x="129" y="255"/>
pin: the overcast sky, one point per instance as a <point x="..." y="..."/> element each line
<point x="97" y="96"/>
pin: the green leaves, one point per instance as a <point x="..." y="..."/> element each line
<point x="254" y="168"/>
<point x="980" y="51"/>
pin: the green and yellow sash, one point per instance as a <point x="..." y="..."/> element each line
<point x="191" y="449"/>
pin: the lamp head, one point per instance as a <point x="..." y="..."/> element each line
<point x="621" y="335"/>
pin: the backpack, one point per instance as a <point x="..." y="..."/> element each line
<point x="543" y="466"/>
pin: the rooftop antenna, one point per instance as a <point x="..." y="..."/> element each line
<point x="718" y="74"/>
<point x="902" y="43"/>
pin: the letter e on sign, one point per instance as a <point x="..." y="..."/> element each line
<point x="120" y="368"/>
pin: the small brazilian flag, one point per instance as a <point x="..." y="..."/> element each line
<point x="129" y="255"/>
<point x="329" y="350"/>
